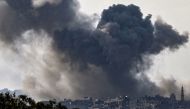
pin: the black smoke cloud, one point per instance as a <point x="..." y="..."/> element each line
<point x="24" y="16"/>
<point x="108" y="60"/>
<point x="118" y="46"/>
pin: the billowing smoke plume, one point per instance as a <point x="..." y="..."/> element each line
<point x="65" y="56"/>
<point x="22" y="15"/>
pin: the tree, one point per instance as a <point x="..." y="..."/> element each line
<point x="11" y="101"/>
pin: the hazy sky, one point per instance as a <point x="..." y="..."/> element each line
<point x="175" y="65"/>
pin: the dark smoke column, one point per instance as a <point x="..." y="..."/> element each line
<point x="109" y="60"/>
<point x="119" y="46"/>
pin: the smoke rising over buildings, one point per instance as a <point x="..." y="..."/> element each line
<point x="63" y="55"/>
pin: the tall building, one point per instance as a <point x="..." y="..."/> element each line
<point x="182" y="94"/>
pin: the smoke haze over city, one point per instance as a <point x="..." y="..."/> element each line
<point x="64" y="53"/>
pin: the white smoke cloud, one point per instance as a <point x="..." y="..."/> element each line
<point x="32" y="62"/>
<point x="9" y="68"/>
<point x="39" y="3"/>
<point x="40" y="63"/>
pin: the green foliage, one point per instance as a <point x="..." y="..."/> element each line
<point x="11" y="101"/>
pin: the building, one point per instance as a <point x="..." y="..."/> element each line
<point x="146" y="102"/>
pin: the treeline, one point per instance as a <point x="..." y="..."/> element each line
<point x="11" y="101"/>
